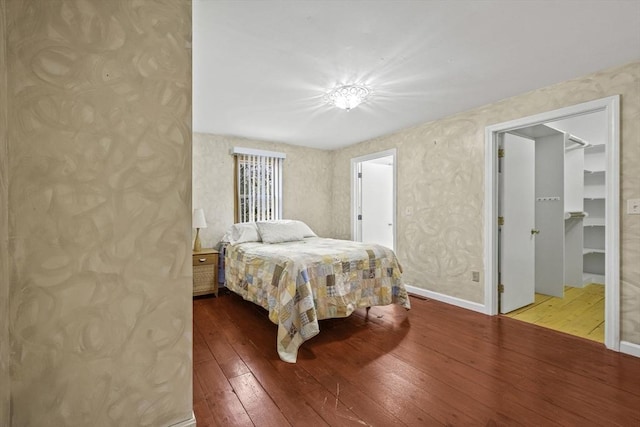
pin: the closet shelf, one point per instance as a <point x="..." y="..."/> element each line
<point x="594" y="228"/>
<point x="587" y="251"/>
<point x="595" y="148"/>
<point x="575" y="215"/>
<point x="594" y="222"/>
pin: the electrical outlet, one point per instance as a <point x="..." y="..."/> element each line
<point x="475" y="276"/>
<point x="633" y="206"/>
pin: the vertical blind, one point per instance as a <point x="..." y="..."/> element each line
<point x="258" y="186"/>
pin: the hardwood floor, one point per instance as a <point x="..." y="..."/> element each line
<point x="433" y="365"/>
<point x="579" y="313"/>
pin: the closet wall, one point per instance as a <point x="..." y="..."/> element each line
<point x="574" y="215"/>
<point x="590" y="128"/>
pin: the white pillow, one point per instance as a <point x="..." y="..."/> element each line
<point x="295" y="224"/>
<point x="304" y="228"/>
<point x="279" y="231"/>
<point x="243" y="232"/>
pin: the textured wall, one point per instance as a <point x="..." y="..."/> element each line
<point x="99" y="146"/>
<point x="4" y="232"/>
<point x="306" y="183"/>
<point x="441" y="193"/>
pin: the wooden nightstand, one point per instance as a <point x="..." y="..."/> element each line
<point x="205" y="272"/>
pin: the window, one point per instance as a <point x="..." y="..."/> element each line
<point x="258" y="185"/>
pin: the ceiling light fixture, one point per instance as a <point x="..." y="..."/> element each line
<point x="348" y="96"/>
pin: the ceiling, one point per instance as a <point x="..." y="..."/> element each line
<point x="261" y="68"/>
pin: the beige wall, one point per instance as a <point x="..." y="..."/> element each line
<point x="4" y="232"/>
<point x="306" y="183"/>
<point x="440" y="187"/>
<point x="99" y="147"/>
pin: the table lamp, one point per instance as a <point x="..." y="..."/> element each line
<point x="198" y="222"/>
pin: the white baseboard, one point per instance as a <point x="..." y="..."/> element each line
<point x="459" y="302"/>
<point x="630" y="348"/>
<point x="191" y="422"/>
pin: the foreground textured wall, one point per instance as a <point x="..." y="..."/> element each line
<point x="99" y="144"/>
<point x="4" y="232"/>
<point x="306" y="183"/>
<point x="441" y="193"/>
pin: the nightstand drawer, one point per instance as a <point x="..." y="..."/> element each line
<point x="205" y="272"/>
<point x="205" y="259"/>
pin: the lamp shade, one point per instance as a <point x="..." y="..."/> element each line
<point x="198" y="219"/>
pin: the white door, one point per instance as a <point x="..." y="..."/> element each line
<point x="517" y="235"/>
<point x="377" y="201"/>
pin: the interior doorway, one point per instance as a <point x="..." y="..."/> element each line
<point x="604" y="218"/>
<point x="373" y="190"/>
<point x="552" y="190"/>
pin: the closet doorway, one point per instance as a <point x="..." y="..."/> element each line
<point x="552" y="219"/>
<point x="373" y="195"/>
<point x="559" y="174"/>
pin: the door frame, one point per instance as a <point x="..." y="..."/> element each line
<point x="611" y="106"/>
<point x="355" y="190"/>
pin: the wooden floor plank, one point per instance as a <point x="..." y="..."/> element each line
<point x="201" y="352"/>
<point x="290" y="400"/>
<point x="203" y="414"/>
<point x="224" y="405"/>
<point x="333" y="410"/>
<point x="257" y="402"/>
<point x="198" y="393"/>
<point x="227" y="410"/>
<point x="539" y="299"/>
<point x="227" y="359"/>
<point x="597" y="334"/>
<point x="433" y="365"/>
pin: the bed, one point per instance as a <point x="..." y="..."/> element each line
<point x="304" y="278"/>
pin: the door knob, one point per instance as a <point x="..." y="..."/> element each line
<point x="534" y="231"/>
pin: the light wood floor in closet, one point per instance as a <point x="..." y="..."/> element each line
<point x="579" y="313"/>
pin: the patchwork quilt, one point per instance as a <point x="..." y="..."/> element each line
<point x="305" y="281"/>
